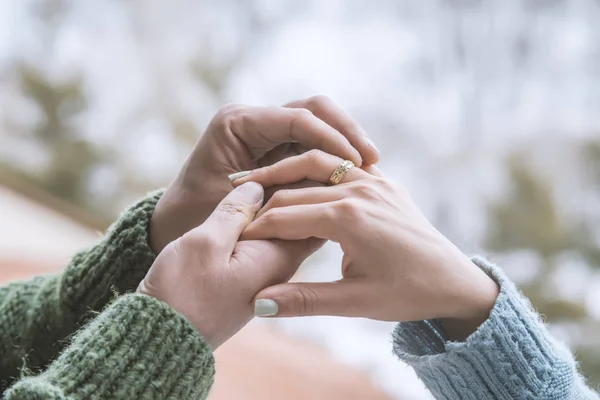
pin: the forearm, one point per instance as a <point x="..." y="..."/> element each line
<point x="139" y="347"/>
<point x="36" y="316"/>
<point x="511" y="355"/>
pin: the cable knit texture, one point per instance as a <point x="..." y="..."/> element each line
<point x="137" y="348"/>
<point x="511" y="355"/>
<point x="140" y="348"/>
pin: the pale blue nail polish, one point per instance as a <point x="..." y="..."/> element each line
<point x="239" y="175"/>
<point x="265" y="308"/>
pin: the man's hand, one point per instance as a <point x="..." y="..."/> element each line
<point x="243" y="138"/>
<point x="211" y="278"/>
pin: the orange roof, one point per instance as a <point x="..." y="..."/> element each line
<point x="12" y="270"/>
<point x="25" y="188"/>
<point x="263" y="364"/>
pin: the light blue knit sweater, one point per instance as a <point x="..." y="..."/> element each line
<point x="511" y="356"/>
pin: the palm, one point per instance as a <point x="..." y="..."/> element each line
<point x="221" y="155"/>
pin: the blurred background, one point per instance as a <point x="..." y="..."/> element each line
<point x="486" y="110"/>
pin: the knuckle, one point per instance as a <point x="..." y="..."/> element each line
<point x="314" y="157"/>
<point x="383" y="182"/>
<point x="229" y="208"/>
<point x="270" y="217"/>
<point x="265" y="175"/>
<point x="302" y="114"/>
<point x="368" y="190"/>
<point x="299" y="117"/>
<point x="303" y="301"/>
<point x="229" y="112"/>
<point x="318" y="102"/>
<point x="333" y="213"/>
<point x="349" y="208"/>
<point x="230" y="108"/>
<point x="279" y="197"/>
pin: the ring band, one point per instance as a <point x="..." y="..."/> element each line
<point x="340" y="171"/>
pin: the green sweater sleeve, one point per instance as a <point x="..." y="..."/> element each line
<point x="138" y="348"/>
<point x="36" y="316"/>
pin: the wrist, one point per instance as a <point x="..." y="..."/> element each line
<point x="181" y="209"/>
<point x="476" y="301"/>
<point x="458" y="330"/>
<point x="181" y="306"/>
<point x="173" y="217"/>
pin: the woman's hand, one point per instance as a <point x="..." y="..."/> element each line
<point x="396" y="265"/>
<point x="210" y="278"/>
<point x="241" y="138"/>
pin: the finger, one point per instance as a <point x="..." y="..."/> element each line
<point x="313" y="165"/>
<point x="263" y="263"/>
<point x="264" y="128"/>
<point x="373" y="170"/>
<point x="325" y="109"/>
<point x="231" y="216"/>
<point x="340" y="298"/>
<point x="309" y="195"/>
<point x="270" y="191"/>
<point x="298" y="222"/>
<point x="279" y="153"/>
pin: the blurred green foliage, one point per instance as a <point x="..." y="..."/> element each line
<point x="529" y="218"/>
<point x="71" y="158"/>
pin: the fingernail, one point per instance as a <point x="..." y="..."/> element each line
<point x="239" y="175"/>
<point x="265" y="308"/>
<point x="372" y="145"/>
<point x="252" y="191"/>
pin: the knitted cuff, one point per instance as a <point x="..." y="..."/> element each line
<point x="510" y="356"/>
<point x="117" y="264"/>
<point x="137" y="348"/>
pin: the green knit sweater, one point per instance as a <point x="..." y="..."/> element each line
<point x="130" y="346"/>
<point x="136" y="348"/>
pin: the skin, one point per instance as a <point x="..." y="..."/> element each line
<point x="210" y="277"/>
<point x="240" y="138"/>
<point x="201" y="271"/>
<point x="396" y="265"/>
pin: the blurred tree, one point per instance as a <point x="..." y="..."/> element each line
<point x="587" y="237"/>
<point x="591" y="153"/>
<point x="71" y="158"/>
<point x="529" y="219"/>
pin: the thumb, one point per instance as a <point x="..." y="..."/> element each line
<point x="233" y="214"/>
<point x="341" y="298"/>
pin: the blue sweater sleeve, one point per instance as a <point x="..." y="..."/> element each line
<point x="511" y="356"/>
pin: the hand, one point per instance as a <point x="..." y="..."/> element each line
<point x="242" y="138"/>
<point x="396" y="265"/>
<point x="209" y="277"/>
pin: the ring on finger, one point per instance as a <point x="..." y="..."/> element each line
<point x="340" y="171"/>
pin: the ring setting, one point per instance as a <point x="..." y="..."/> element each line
<point x="340" y="171"/>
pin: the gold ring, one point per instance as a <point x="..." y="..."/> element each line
<point x="340" y="171"/>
